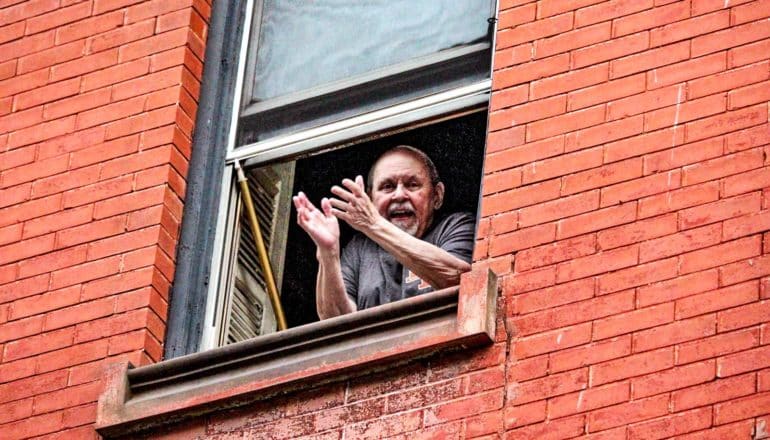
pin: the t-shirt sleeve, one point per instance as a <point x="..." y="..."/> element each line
<point x="350" y="264"/>
<point x="456" y="235"/>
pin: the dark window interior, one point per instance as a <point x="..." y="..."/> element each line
<point x="457" y="148"/>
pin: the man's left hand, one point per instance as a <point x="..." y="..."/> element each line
<point x="354" y="206"/>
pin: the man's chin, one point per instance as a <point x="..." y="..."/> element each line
<point x="408" y="226"/>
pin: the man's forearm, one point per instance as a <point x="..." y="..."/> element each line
<point x="429" y="262"/>
<point x="331" y="298"/>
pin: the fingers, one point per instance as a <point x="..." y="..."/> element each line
<point x="338" y="204"/>
<point x="354" y="187"/>
<point x="302" y="202"/>
<point x="308" y="204"/>
<point x="326" y="206"/>
<point x="341" y="193"/>
<point x="342" y="215"/>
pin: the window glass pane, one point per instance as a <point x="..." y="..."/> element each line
<point x="304" y="44"/>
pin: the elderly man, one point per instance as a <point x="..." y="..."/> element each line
<point x="401" y="251"/>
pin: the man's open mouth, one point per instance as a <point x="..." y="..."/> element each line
<point x="400" y="214"/>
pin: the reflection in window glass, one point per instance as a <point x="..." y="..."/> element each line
<point x="303" y="44"/>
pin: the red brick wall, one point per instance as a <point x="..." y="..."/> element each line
<point x="97" y="100"/>
<point x="627" y="171"/>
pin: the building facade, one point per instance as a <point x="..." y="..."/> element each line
<point x="625" y="210"/>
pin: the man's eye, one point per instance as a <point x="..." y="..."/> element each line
<point x="386" y="187"/>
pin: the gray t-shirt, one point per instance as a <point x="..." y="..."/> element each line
<point x="373" y="277"/>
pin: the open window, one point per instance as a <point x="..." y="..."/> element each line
<point x="316" y="92"/>
<point x="455" y="144"/>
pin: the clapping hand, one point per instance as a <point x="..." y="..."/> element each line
<point x="321" y="225"/>
<point x="354" y="206"/>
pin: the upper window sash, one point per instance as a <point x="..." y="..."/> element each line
<point x="419" y="50"/>
<point x="467" y="97"/>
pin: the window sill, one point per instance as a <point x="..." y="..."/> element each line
<point x="136" y="399"/>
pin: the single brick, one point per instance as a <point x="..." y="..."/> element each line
<point x="567" y="82"/>
<point x="552" y="341"/>
<point x="549" y="386"/>
<point x="716" y="300"/>
<point x="634" y="320"/>
<point x="565" y="123"/>
<point x="724" y="123"/>
<point x="571" y="40"/>
<point x="558" y="209"/>
<point x="609" y="10"/>
<point x="518" y="198"/>
<point x="606" y="92"/>
<point x="596" y="220"/>
<point x="637" y="232"/>
<point x="745" y="270"/>
<point x="685" y="112"/>
<point x="610" y="50"/>
<point x="534" y="30"/>
<point x="527" y="112"/>
<point x="522" y="239"/>
<point x="673" y="379"/>
<point x="559" y="251"/>
<point x="602" y="176"/>
<point x="522" y="415"/>
<point x="680" y="242"/>
<point x="644" y="102"/>
<point x="740" y="409"/>
<point x="686" y="70"/>
<point x="599" y="263"/>
<point x="684" y="155"/>
<point x="561" y="165"/>
<point x="604" y="133"/>
<point x="588" y="400"/>
<point x="748" y="95"/>
<point x="728" y="80"/>
<point x="686" y="29"/>
<point x="642" y="144"/>
<point x="749" y="53"/>
<point x="732" y="37"/>
<point x="651" y="18"/>
<point x="671" y="425"/>
<point x="637" y="189"/>
<point x="746" y="315"/>
<point x="574" y="313"/>
<point x="555" y="296"/>
<point x="625" y="413"/>
<point x="748" y="224"/>
<point x="567" y="427"/>
<point x="678" y="199"/>
<point x="717" y="391"/>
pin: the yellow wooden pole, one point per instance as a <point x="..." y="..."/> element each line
<point x="264" y="261"/>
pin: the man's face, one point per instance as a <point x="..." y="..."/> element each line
<point x="403" y="193"/>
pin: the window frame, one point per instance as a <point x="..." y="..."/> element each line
<point x="204" y="239"/>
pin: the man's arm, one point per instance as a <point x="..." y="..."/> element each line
<point x="331" y="297"/>
<point x="429" y="262"/>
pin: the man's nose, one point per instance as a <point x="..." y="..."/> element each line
<point x="400" y="192"/>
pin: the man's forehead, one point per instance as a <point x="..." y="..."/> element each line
<point x="399" y="163"/>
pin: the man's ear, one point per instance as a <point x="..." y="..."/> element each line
<point x="438" y="196"/>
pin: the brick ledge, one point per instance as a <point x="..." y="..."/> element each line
<point x="136" y="399"/>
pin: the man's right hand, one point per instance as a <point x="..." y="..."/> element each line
<point x="322" y="226"/>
